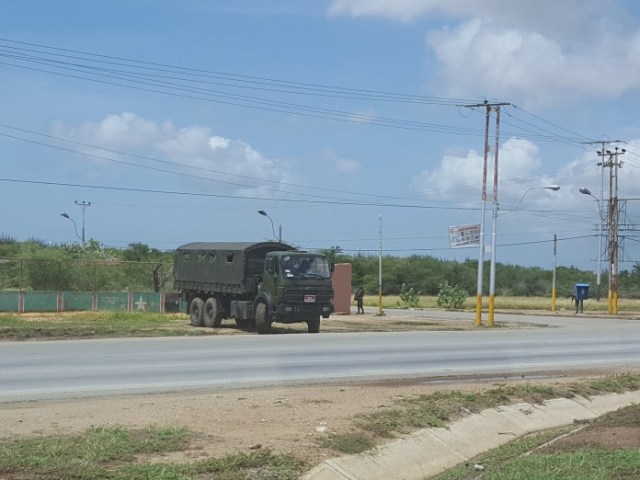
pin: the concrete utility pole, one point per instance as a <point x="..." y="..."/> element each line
<point x="489" y="107"/>
<point x="601" y="214"/>
<point x="380" y="311"/>
<point x="553" y="279"/>
<point x="610" y="159"/>
<point x="84" y="206"/>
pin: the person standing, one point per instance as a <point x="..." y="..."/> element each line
<point x="359" y="297"/>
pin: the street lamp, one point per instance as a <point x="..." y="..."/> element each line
<point x="273" y="230"/>
<point x="492" y="271"/>
<point x="380" y="311"/>
<point x="586" y="191"/>
<point x="75" y="228"/>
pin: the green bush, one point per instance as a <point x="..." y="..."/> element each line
<point x="451" y="297"/>
<point x="409" y="296"/>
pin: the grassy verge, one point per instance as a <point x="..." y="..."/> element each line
<point x="440" y="408"/>
<point x="113" y="452"/>
<point x="531" y="459"/>
<point x="95" y="324"/>
<point x="120" y="453"/>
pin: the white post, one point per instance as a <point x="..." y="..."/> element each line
<point x="380" y="312"/>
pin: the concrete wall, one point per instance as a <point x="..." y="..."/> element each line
<point x="342" y="289"/>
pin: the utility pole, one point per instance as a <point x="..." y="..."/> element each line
<point x="602" y="223"/>
<point x="610" y="159"/>
<point x="553" y="280"/>
<point x="489" y="107"/>
<point x="84" y="206"/>
<point x="380" y="311"/>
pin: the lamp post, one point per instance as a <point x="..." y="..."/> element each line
<point x="273" y="230"/>
<point x="586" y="191"/>
<point x="553" y="280"/>
<point x="380" y="312"/>
<point x="492" y="271"/>
<point x="75" y="228"/>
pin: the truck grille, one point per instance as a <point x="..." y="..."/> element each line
<point x="297" y="295"/>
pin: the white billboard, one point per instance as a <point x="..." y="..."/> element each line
<point x="461" y="236"/>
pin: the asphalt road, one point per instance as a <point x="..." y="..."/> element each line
<point x="88" y="368"/>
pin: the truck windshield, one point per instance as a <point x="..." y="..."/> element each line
<point x="305" y="266"/>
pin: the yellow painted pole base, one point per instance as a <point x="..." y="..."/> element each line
<point x="478" y="310"/>
<point x="492" y="299"/>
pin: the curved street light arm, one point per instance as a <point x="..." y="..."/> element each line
<point x="555" y="188"/>
<point x="75" y="228"/>
<point x="273" y="230"/>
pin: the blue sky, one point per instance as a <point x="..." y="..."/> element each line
<point x="178" y="121"/>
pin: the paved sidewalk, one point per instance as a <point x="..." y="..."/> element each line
<point x="430" y="451"/>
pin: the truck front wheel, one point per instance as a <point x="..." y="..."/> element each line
<point x="212" y="315"/>
<point x="263" y="322"/>
<point x="196" y="309"/>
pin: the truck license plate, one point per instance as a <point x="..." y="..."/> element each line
<point x="309" y="299"/>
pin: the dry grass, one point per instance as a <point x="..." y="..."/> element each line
<point x="513" y="303"/>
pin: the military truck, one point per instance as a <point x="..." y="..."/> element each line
<point x="253" y="283"/>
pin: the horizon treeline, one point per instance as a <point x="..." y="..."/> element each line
<point x="424" y="273"/>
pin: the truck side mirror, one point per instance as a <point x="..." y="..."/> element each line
<point x="332" y="266"/>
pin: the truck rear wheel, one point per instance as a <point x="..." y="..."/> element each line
<point x="263" y="322"/>
<point x="196" y="309"/>
<point x="313" y="326"/>
<point x="212" y="315"/>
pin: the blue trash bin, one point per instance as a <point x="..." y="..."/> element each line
<point x="582" y="293"/>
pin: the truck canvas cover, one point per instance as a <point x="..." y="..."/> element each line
<point x="235" y="266"/>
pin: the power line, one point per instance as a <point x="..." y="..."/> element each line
<point x="239" y="197"/>
<point x="67" y="59"/>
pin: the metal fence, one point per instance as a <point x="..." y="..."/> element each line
<point x="46" y="285"/>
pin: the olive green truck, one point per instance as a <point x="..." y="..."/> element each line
<point x="253" y="283"/>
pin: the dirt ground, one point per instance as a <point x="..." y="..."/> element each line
<point x="284" y="419"/>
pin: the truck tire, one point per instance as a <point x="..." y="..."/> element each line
<point x="212" y="315"/>
<point x="196" y="309"/>
<point x="263" y="322"/>
<point x="313" y="326"/>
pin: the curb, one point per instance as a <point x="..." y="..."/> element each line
<point x="430" y="451"/>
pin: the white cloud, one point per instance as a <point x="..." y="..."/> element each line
<point x="541" y="14"/>
<point x="125" y="130"/>
<point x="218" y="142"/>
<point x="195" y="150"/>
<point x="530" y="53"/>
<point x="481" y="58"/>
<point x="459" y="177"/>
